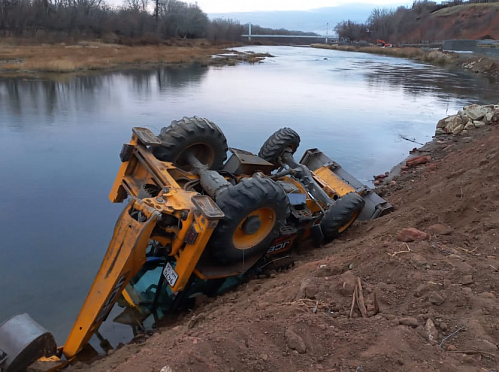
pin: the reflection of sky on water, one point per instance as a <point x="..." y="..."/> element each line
<point x="61" y="139"/>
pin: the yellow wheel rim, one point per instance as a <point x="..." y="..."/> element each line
<point x="349" y="223"/>
<point x="244" y="239"/>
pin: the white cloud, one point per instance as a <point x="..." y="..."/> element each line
<point x="224" y="6"/>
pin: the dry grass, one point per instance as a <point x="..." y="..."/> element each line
<point x="458" y="8"/>
<point x="408" y="52"/>
<point x="438" y="57"/>
<point x="431" y="56"/>
<point x="97" y="56"/>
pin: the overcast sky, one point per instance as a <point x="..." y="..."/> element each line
<point x="226" y="6"/>
<point x="222" y="6"/>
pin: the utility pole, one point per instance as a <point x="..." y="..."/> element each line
<point x="249" y="31"/>
<point x="327" y="31"/>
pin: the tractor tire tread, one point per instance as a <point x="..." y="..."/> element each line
<point x="277" y="143"/>
<point x="181" y="133"/>
<point x="340" y="214"/>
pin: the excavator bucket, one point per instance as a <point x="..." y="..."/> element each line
<point x="342" y="182"/>
<point x="22" y="342"/>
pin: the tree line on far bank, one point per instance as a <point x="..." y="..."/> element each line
<point x="413" y="24"/>
<point x="144" y="21"/>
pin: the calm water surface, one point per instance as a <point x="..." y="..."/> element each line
<point x="61" y="139"/>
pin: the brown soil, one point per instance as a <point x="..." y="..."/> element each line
<point x="467" y="21"/>
<point x="300" y="320"/>
<point x="480" y="65"/>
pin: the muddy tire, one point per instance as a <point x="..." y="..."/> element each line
<point x="254" y="210"/>
<point x="277" y="143"/>
<point x="197" y="135"/>
<point x="341" y="215"/>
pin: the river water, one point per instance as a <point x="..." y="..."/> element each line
<point x="61" y="139"/>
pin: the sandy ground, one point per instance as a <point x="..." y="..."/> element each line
<point x="437" y="296"/>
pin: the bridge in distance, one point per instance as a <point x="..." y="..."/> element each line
<point x="326" y="37"/>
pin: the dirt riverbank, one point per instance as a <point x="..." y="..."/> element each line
<point x="25" y="59"/>
<point x="475" y="63"/>
<point x="430" y="296"/>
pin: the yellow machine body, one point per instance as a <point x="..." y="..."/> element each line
<point x="176" y="218"/>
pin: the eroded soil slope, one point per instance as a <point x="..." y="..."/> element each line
<point x="466" y="21"/>
<point x="437" y="297"/>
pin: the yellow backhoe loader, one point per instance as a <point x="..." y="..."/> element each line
<point x="192" y="223"/>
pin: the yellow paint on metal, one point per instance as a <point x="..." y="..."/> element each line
<point x="188" y="259"/>
<point x="266" y="217"/>
<point x="124" y="258"/>
<point x="328" y="179"/>
<point x="126" y="253"/>
<point x="53" y="363"/>
<point x="128" y="298"/>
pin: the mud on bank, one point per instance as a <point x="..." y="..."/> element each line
<point x="430" y="298"/>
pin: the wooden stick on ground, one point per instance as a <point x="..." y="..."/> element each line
<point x="354" y="301"/>
<point x="399" y="252"/>
<point x="360" y="299"/>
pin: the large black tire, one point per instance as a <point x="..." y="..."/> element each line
<point x="197" y="135"/>
<point x="341" y="215"/>
<point x="242" y="233"/>
<point x="277" y="143"/>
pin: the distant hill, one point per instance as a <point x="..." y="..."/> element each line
<point x="306" y="20"/>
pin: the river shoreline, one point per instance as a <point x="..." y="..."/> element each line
<point x="42" y="60"/>
<point x="299" y="319"/>
<point x="36" y="60"/>
<point x="474" y="63"/>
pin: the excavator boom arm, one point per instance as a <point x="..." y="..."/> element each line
<point x="124" y="258"/>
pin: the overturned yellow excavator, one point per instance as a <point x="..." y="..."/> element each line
<point x="194" y="222"/>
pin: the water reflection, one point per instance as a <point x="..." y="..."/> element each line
<point x="417" y="79"/>
<point x="61" y="139"/>
<point x="44" y="98"/>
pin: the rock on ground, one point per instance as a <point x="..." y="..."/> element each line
<point x="472" y="116"/>
<point x="411" y="234"/>
<point x="295" y="342"/>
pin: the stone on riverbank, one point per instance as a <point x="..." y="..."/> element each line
<point x="470" y="117"/>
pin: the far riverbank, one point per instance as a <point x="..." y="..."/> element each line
<point x="27" y="59"/>
<point x="475" y="63"/>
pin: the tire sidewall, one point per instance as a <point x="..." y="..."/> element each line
<point x="340" y="214"/>
<point x="229" y="228"/>
<point x="266" y="194"/>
